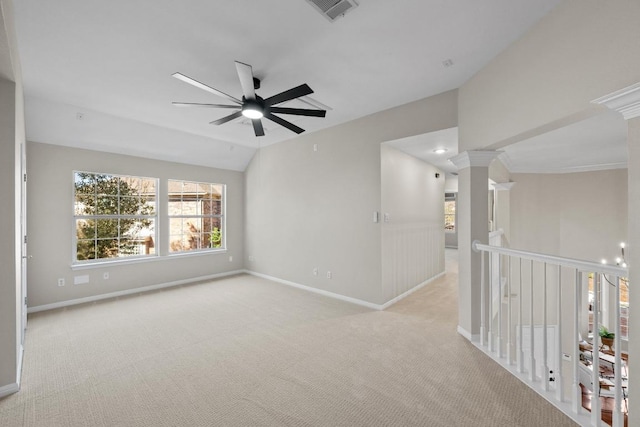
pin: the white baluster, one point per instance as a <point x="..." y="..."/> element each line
<point x="492" y="337"/>
<point x="577" y="391"/>
<point x="617" y="414"/>
<point x="532" y="361"/>
<point x="595" y="375"/>
<point x="500" y="295"/>
<point x="509" y="327"/>
<point x="483" y="301"/>
<point x="520" y="352"/>
<point x="558" y="372"/>
<point x="545" y="356"/>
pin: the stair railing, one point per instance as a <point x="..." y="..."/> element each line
<point x="540" y="273"/>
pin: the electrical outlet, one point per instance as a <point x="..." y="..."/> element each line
<point x="328" y="275"/>
<point x="105" y="275"/>
<point x="230" y="258"/>
<point x="60" y="282"/>
<point x="315" y="271"/>
<point x="252" y="258"/>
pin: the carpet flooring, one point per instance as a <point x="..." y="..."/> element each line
<point x="244" y="351"/>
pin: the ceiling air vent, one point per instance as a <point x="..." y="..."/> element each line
<point x="333" y="9"/>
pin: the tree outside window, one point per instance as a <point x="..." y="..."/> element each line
<point x="114" y="216"/>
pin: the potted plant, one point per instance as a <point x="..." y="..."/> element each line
<point x="606" y="337"/>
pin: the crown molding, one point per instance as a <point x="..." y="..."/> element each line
<point x="474" y="159"/>
<point x="500" y="186"/>
<point x="625" y="101"/>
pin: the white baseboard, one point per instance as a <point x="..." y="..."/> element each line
<point x="20" y="359"/>
<point x="351" y="300"/>
<point x="343" y="297"/>
<point x="9" y="389"/>
<point x="410" y="291"/>
<point x="468" y="335"/>
<point x="318" y="291"/>
<point x="93" y="298"/>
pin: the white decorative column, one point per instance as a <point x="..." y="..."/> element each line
<point x="500" y="203"/>
<point x="473" y="224"/>
<point x="627" y="103"/>
<point x="500" y="210"/>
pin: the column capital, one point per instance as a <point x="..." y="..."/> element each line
<point x="500" y="186"/>
<point x="474" y="158"/>
<point x="625" y="101"/>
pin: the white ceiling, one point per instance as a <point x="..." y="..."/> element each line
<point x="596" y="143"/>
<point x="424" y="146"/>
<point x="114" y="59"/>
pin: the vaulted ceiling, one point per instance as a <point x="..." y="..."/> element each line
<point x="95" y="71"/>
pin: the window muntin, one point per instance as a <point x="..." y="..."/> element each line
<point x="115" y="216"/>
<point x="196" y="216"/>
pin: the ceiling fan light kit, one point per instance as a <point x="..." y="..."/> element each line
<point x="252" y="110"/>
<point x="253" y="106"/>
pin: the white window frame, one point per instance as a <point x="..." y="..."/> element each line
<point x="74" y="241"/>
<point x="221" y="216"/>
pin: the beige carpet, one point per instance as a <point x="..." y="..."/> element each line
<point x="244" y="351"/>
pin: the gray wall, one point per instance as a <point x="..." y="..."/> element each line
<point x="413" y="236"/>
<point x="309" y="209"/>
<point x="11" y="138"/>
<point x="9" y="222"/>
<point x="580" y="51"/>
<point x="577" y="215"/>
<point x="50" y="199"/>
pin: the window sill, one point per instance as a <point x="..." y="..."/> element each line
<point x="140" y="260"/>
<point x="196" y="253"/>
<point x="109" y="263"/>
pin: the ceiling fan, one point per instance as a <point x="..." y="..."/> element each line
<point x="253" y="106"/>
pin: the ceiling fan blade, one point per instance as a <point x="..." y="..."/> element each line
<point x="296" y="92"/>
<point x="283" y="122"/>
<point x="226" y="119"/>
<point x="257" y="127"/>
<point x="299" y="111"/>
<point x="245" y="74"/>
<point x="203" y="86"/>
<point x="194" y="104"/>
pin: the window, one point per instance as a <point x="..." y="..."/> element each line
<point x="196" y="216"/>
<point x="624" y="308"/>
<point x="450" y="212"/>
<point x="114" y="216"/>
<point x="602" y="299"/>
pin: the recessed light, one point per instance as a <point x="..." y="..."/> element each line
<point x="440" y="150"/>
